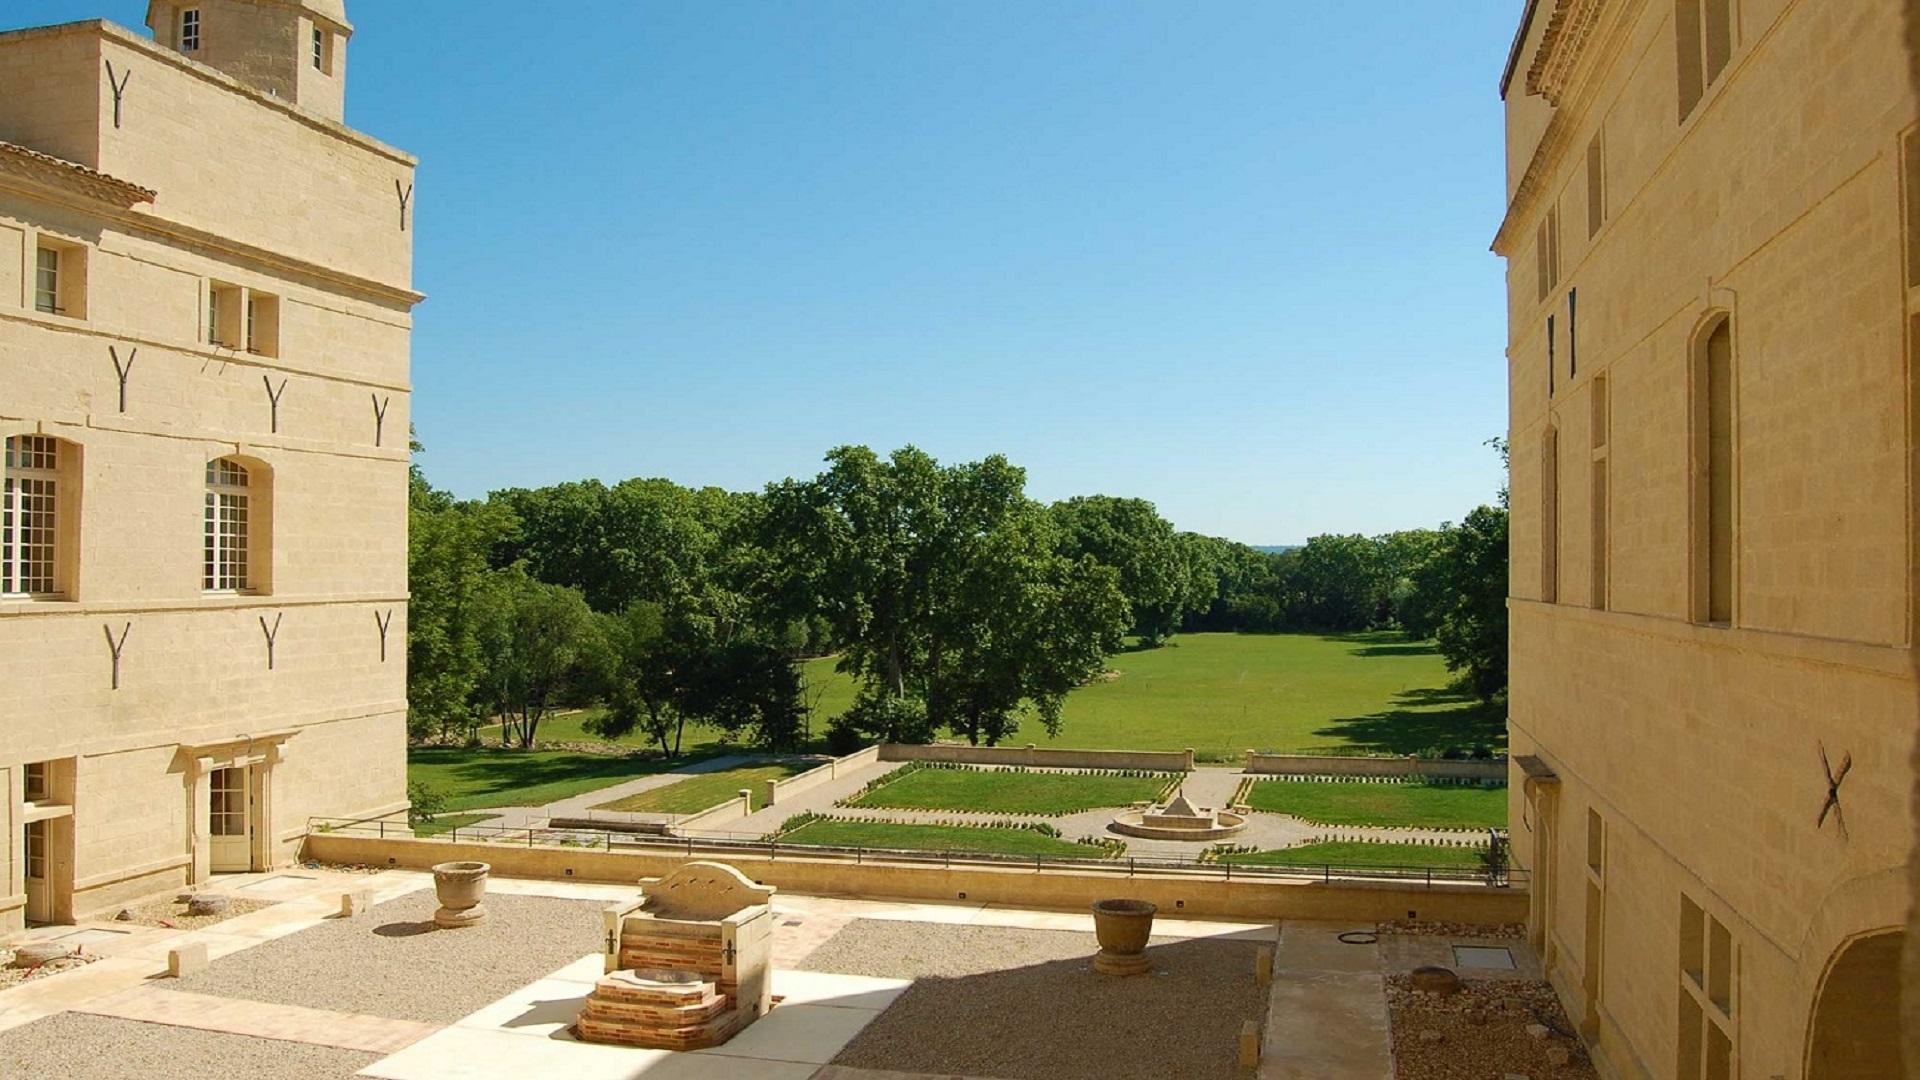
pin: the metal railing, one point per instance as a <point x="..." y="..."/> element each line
<point x="722" y="843"/>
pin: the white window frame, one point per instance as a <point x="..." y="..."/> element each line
<point x="227" y="528"/>
<point x="320" y="49"/>
<point x="30" y="495"/>
<point x="38" y="781"/>
<point x="46" y="280"/>
<point x="190" y="30"/>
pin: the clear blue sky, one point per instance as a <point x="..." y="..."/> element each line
<point x="1229" y="257"/>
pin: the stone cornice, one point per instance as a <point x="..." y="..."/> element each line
<point x="44" y="171"/>
<point x="1561" y="46"/>
<point x="1611" y="33"/>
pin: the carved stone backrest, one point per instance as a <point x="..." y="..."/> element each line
<point x="703" y="890"/>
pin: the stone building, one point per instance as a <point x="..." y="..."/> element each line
<point x="1713" y="244"/>
<point x="205" y="298"/>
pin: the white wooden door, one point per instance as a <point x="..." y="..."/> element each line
<point x="39" y="883"/>
<point x="229" y="822"/>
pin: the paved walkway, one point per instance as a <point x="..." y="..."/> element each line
<point x="1327" y="1015"/>
<point x="817" y="800"/>
<point x="237" y="1016"/>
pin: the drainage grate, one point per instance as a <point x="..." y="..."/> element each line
<point x="1483" y="956"/>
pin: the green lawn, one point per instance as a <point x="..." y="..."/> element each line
<point x="896" y="836"/>
<point x="708" y="790"/>
<point x="1225" y="693"/>
<point x="488" y="777"/>
<point x="1411" y="805"/>
<point x="1349" y="853"/>
<point x="1007" y="792"/>
<point x="447" y="823"/>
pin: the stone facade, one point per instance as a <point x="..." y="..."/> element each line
<point x="1713" y="238"/>
<point x="232" y="281"/>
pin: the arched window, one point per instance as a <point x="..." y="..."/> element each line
<point x="229" y="527"/>
<point x="35" y="517"/>
<point x="1715" y="473"/>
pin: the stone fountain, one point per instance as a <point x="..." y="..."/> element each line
<point x="1178" y="820"/>
<point x="689" y="964"/>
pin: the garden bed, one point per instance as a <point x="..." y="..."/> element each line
<point x="1402" y="804"/>
<point x="926" y="786"/>
<point x="899" y="836"/>
<point x="708" y="790"/>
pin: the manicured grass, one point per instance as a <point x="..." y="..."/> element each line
<point x="897" y="836"/>
<point x="1223" y="694"/>
<point x="447" y="823"/>
<point x="708" y="790"/>
<point x="1352" y="853"/>
<point x="487" y="777"/>
<point x="1007" y="792"/>
<point x="1411" y="805"/>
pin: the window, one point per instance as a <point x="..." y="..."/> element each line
<point x="225" y="316"/>
<point x="322" y="51"/>
<point x="1551" y="363"/>
<point x="228" y="509"/>
<point x="36" y="782"/>
<point x="29" y="517"/>
<point x="227" y="803"/>
<point x="1706" y="995"/>
<point x="1550" y="516"/>
<point x="190" y="30"/>
<point x="1714" y="475"/>
<point x="1547" y="252"/>
<point x="46" y="281"/>
<point x="1910" y="162"/>
<point x="262" y="330"/>
<point x="1703" y="43"/>
<point x="36" y="836"/>
<point x="1596" y="186"/>
<point x="1573" y="333"/>
<point x="1602" y="409"/>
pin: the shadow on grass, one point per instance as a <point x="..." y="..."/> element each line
<point x="1433" y="719"/>
<point x="1386" y="643"/>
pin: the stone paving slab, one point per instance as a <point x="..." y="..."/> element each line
<point x="286" y="1023"/>
<point x="1327" y="1014"/>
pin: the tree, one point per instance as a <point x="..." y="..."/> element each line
<point x="947" y="588"/>
<point x="1472" y="636"/>
<point x="448" y="542"/>
<point x="535" y="640"/>
<point x="1340" y="581"/>
<point x="1131" y="536"/>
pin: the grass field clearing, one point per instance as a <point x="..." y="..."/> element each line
<point x="1407" y="805"/>
<point x="896" y="836"/>
<point x="487" y="777"/>
<point x="708" y="790"/>
<point x="1006" y="791"/>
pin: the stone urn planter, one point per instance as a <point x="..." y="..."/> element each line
<point x="460" y="885"/>
<point x="1123" y="927"/>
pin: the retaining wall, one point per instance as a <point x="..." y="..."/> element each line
<point x="717" y="817"/>
<point x="778" y="790"/>
<point x="1316" y="765"/>
<point x="1176" y="894"/>
<point x="1158" y="760"/>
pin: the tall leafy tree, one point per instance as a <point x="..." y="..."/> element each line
<point x="448" y="542"/>
<point x="537" y="639"/>
<point x="1131" y="536"/>
<point x="947" y="586"/>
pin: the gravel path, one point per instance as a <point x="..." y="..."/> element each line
<point x="171" y="913"/>
<point x="393" y="962"/>
<point x="75" y="1046"/>
<point x="1482" y="1031"/>
<point x="1025" y="1004"/>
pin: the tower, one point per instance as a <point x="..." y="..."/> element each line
<point x="293" y="49"/>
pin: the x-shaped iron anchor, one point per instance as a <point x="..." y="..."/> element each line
<point x="1834" y="780"/>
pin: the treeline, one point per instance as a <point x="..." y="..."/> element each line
<point x="957" y="603"/>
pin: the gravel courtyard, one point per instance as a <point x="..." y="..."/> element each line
<point x="75" y="1046"/>
<point x="1025" y="1004"/>
<point x="394" y="962"/>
